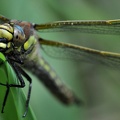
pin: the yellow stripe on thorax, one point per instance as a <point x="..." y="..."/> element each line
<point x="31" y="41"/>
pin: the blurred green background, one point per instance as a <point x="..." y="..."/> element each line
<point x="96" y="85"/>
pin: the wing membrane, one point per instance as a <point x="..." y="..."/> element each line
<point x="70" y="51"/>
<point x="102" y="27"/>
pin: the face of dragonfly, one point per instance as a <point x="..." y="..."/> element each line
<point x="16" y="35"/>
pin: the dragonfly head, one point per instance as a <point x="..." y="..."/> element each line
<point x="11" y="36"/>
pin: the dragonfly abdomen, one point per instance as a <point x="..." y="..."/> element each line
<point x="49" y="78"/>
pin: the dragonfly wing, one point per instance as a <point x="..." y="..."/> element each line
<point x="101" y="27"/>
<point x="79" y="53"/>
<point x="4" y="19"/>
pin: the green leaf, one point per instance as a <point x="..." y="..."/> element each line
<point x="15" y="105"/>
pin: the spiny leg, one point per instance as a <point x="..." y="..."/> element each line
<point x="6" y="96"/>
<point x="7" y="92"/>
<point x="19" y="72"/>
<point x="22" y="84"/>
<point x="29" y="89"/>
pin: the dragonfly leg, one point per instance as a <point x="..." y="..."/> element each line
<point x="6" y="96"/>
<point x="19" y="72"/>
<point x="22" y="84"/>
<point x="29" y="90"/>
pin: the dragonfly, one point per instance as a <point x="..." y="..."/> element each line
<point x="21" y="46"/>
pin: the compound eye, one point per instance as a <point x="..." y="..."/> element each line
<point x="19" y="36"/>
